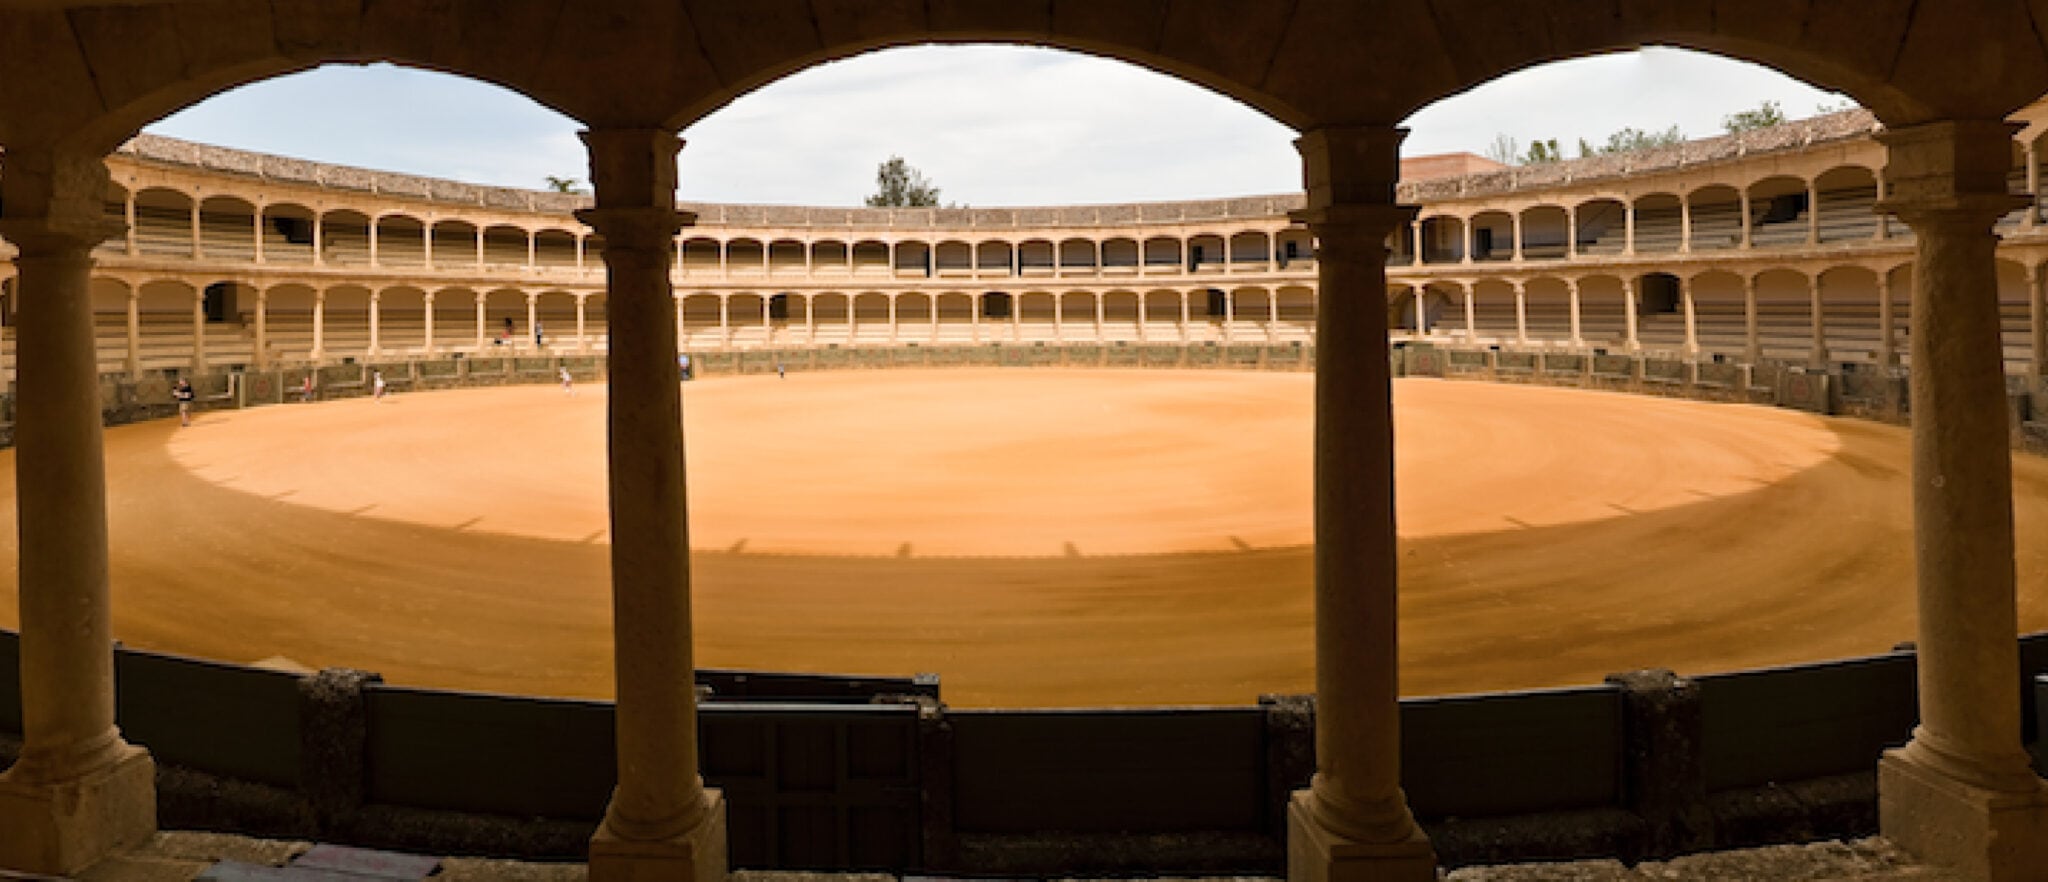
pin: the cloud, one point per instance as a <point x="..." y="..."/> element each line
<point x="991" y="125"/>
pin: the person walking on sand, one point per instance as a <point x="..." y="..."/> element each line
<point x="568" y="382"/>
<point x="377" y="384"/>
<point x="306" y="389"/>
<point x="780" y="373"/>
<point x="183" y="393"/>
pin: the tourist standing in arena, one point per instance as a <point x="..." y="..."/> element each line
<point x="377" y="385"/>
<point x="306" y="388"/>
<point x="183" y="393"/>
<point x="780" y="374"/>
<point x="568" y="382"/>
<point x="539" y="337"/>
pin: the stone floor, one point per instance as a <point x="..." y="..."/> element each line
<point x="180" y="857"/>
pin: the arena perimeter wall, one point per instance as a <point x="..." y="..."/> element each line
<point x="840" y="773"/>
<point x="849" y="773"/>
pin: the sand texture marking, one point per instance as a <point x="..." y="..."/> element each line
<point x="1037" y="537"/>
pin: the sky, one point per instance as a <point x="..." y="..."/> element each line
<point x="990" y="125"/>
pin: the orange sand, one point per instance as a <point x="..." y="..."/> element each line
<point x="1036" y="537"/>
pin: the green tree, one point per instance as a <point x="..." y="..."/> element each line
<point x="899" y="185"/>
<point x="1542" y="151"/>
<point x="1762" y="116"/>
<point x="1631" y="139"/>
<point x="564" y="185"/>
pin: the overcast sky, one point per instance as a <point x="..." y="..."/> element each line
<point x="990" y="125"/>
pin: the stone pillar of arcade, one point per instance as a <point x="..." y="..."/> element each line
<point x="78" y="791"/>
<point x="1962" y="793"/>
<point x="1353" y="822"/>
<point x="662" y="822"/>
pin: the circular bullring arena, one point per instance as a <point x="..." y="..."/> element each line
<point x="1038" y="537"/>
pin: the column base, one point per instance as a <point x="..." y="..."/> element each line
<point x="62" y="828"/>
<point x="696" y="856"/>
<point x="1315" y="854"/>
<point x="1984" y="834"/>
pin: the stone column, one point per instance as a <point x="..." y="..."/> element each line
<point x="1884" y="221"/>
<point x="319" y="236"/>
<point x="1692" y="317"/>
<point x="376" y="322"/>
<point x="1465" y="226"/>
<point x="1183" y="328"/>
<point x="257" y="216"/>
<point x="1517" y="232"/>
<point x="1353" y="821"/>
<point x="810" y="320"/>
<point x="1818" y="355"/>
<point x="662" y="823"/>
<point x="1571" y="232"/>
<point x="1752" y="343"/>
<point x="2037" y="316"/>
<point x="1099" y="296"/>
<point x="725" y="321"/>
<point x="853" y="320"/>
<point x="374" y="260"/>
<point x="480" y="322"/>
<point x="974" y="315"/>
<point x="932" y="303"/>
<point x="128" y="214"/>
<point x="582" y="324"/>
<point x="532" y="316"/>
<point x="1684" y="224"/>
<point x="1229" y="317"/>
<point x="892" y="318"/>
<point x="1747" y="221"/>
<point x="1471" y="313"/>
<point x="2033" y="215"/>
<point x="134" y="333"/>
<point x="1631" y="291"/>
<point x="1571" y="287"/>
<point x="78" y="792"/>
<point x="199" y="331"/>
<point x="1521" y="312"/>
<point x="319" y="325"/>
<point x="1812" y="213"/>
<point x="1887" y="323"/>
<point x="1628" y="231"/>
<point x="427" y="243"/>
<point x="261" y="356"/>
<point x="198" y="246"/>
<point x="1962" y="793"/>
<point x="1017" y="315"/>
<point x="427" y="343"/>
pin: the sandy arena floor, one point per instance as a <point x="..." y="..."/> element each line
<point x="1036" y="537"/>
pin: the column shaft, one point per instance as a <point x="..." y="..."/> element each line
<point x="1752" y="344"/>
<point x="660" y="798"/>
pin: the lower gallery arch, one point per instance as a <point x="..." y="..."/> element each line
<point x="871" y="314"/>
<point x="2015" y="316"/>
<point x="914" y="320"/>
<point x="1784" y="315"/>
<point x="1076" y="316"/>
<point x="956" y="317"/>
<point x="110" y="320"/>
<point x="701" y="324"/>
<point x="1121" y="315"/>
<point x="1849" y="314"/>
<point x="506" y="329"/>
<point x="1721" y="313"/>
<point x="1036" y="316"/>
<point x="1493" y="311"/>
<point x="1603" y="312"/>
<point x="1162" y="314"/>
<point x="455" y="327"/>
<point x="1548" y="304"/>
<point x="830" y="314"/>
<point x="401" y="321"/>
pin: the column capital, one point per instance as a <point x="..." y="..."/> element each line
<point x="54" y="203"/>
<point x="642" y="227"/>
<point x="1952" y="170"/>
